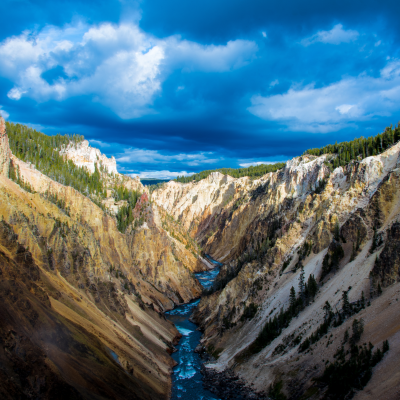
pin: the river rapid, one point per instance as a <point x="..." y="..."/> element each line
<point x="187" y="378"/>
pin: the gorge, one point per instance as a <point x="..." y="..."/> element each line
<point x="98" y="284"/>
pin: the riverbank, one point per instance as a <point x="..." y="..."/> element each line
<point x="187" y="378"/>
<point x="191" y="379"/>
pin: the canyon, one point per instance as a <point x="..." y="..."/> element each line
<point x="297" y="211"/>
<point x="84" y="304"/>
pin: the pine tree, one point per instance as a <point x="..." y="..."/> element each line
<point x="362" y="299"/>
<point x="302" y="283"/>
<point x="292" y="299"/>
<point x="379" y="289"/>
<point x="358" y="329"/>
<point x="328" y="309"/>
<point x="345" y="303"/>
<point x="346" y="336"/>
<point x="312" y="286"/>
<point x="336" y="232"/>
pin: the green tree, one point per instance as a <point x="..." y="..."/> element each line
<point x="328" y="310"/>
<point x="301" y="283"/>
<point x="345" y="303"/>
<point x="292" y="298"/>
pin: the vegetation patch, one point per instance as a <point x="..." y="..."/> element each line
<point x="358" y="148"/>
<point x="345" y="376"/>
<point x="274" y="326"/>
<point x="334" y="319"/>
<point x="253" y="172"/>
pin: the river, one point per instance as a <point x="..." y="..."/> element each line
<point x="187" y="379"/>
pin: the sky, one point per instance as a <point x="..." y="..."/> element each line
<point x="176" y="87"/>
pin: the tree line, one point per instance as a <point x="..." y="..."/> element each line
<point x="43" y="152"/>
<point x="356" y="149"/>
<point x="253" y="172"/>
<point x="359" y="148"/>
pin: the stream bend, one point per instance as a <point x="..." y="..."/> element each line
<point x="187" y="378"/>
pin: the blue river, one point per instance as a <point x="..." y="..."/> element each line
<point x="187" y="379"/>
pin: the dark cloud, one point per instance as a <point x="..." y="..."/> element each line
<point x="219" y="21"/>
<point x="241" y="82"/>
<point x="19" y="15"/>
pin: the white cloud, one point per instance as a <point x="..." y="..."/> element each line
<point x="4" y="113"/>
<point x="274" y="83"/>
<point x="165" y="174"/>
<point x="335" y="106"/>
<point x="264" y="34"/>
<point x="344" y="108"/>
<point x="191" y="56"/>
<point x="98" y="143"/>
<point x="15" y="93"/>
<point x="144" y="156"/>
<point x="120" y="66"/>
<point x="336" y="35"/>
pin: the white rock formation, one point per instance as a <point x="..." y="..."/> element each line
<point x="83" y="155"/>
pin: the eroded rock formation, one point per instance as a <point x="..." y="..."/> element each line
<point x="4" y="149"/>
<point x="84" y="155"/>
<point x="81" y="303"/>
<point x="265" y="231"/>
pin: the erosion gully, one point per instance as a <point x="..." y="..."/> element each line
<point x="187" y="378"/>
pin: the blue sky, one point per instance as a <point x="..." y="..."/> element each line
<point x="175" y="87"/>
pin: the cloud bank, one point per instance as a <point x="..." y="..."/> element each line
<point x="119" y="66"/>
<point x="335" y="106"/>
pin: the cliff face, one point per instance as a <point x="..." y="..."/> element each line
<point x="191" y="203"/>
<point x="4" y="149"/>
<point x="265" y="230"/>
<point x="83" y="155"/>
<point x="112" y="250"/>
<point x="76" y="298"/>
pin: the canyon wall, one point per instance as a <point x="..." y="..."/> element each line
<point x="339" y="225"/>
<point x="81" y="302"/>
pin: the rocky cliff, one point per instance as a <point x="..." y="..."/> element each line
<point x="338" y="226"/>
<point x="81" y="302"/>
<point x="4" y="149"/>
<point x="84" y="155"/>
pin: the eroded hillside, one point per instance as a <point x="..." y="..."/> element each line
<point x="333" y="229"/>
<point x="82" y="302"/>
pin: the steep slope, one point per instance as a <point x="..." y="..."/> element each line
<point x="265" y="231"/>
<point x="4" y="150"/>
<point x="80" y="314"/>
<point x="112" y="249"/>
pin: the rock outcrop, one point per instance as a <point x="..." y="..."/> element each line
<point x="84" y="155"/>
<point x="4" y="149"/>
